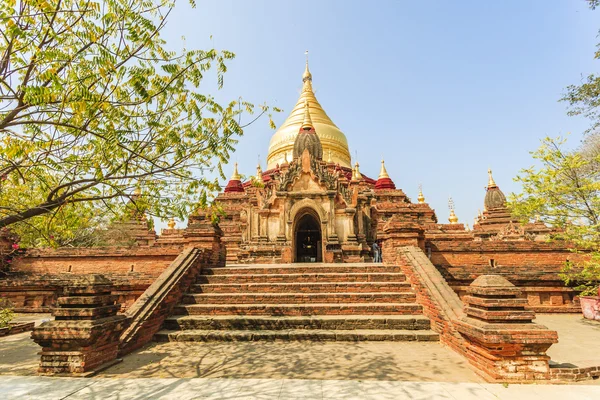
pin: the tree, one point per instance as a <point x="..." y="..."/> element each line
<point x="565" y="193"/>
<point x="93" y="105"/>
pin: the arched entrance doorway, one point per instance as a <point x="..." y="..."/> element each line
<point x="307" y="239"/>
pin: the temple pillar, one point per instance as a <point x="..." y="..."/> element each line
<point x="351" y="226"/>
<point x="397" y="233"/>
<point x="282" y="210"/>
<point x="255" y="225"/>
<point x="263" y="224"/>
<point x="360" y="222"/>
<point x="333" y="236"/>
<point x="202" y="233"/>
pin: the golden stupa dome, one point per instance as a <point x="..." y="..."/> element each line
<point x="332" y="139"/>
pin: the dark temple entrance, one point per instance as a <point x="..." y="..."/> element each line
<point x="308" y="239"/>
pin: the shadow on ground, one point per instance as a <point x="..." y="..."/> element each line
<point x="297" y="360"/>
<point x="18" y="355"/>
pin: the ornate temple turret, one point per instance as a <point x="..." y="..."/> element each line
<point x="259" y="175"/>
<point x="356" y="175"/>
<point x="494" y="205"/>
<point x="496" y="221"/>
<point x="332" y="139"/>
<point x="384" y="181"/>
<point x="235" y="182"/>
<point x="494" y="198"/>
<point x="453" y="219"/>
<point x="420" y="197"/>
<point x="307" y="138"/>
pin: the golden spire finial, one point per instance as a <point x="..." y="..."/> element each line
<point x="285" y="160"/>
<point x="329" y="160"/>
<point x="353" y="179"/>
<point x="306" y="76"/>
<point x="421" y="198"/>
<point x="357" y="174"/>
<point x="383" y="172"/>
<point x="259" y="174"/>
<point x="235" y="176"/>
<point x="453" y="219"/>
<point x="491" y="182"/>
<point x="307" y="124"/>
<point x="171" y="224"/>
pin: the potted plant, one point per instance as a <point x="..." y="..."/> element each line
<point x="587" y="279"/>
<point x="590" y="306"/>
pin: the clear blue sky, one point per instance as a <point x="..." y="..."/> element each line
<point x="442" y="89"/>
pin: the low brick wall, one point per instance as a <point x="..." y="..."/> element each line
<point x="38" y="278"/>
<point x="147" y="314"/>
<point x="574" y="374"/>
<point x="149" y="261"/>
<point x="531" y="265"/>
<point x="38" y="294"/>
<point x="440" y="303"/>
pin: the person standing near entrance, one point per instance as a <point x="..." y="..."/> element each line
<point x="376" y="252"/>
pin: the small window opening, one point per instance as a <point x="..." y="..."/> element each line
<point x="492" y="263"/>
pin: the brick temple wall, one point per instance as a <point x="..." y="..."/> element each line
<point x="150" y="261"/>
<point x="531" y="265"/>
<point x="37" y="279"/>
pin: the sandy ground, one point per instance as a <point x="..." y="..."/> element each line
<point x="578" y="339"/>
<point x="297" y="360"/>
<point x="363" y="361"/>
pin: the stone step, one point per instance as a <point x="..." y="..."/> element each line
<point x="303" y="287"/>
<point x="300" y="309"/>
<point x="327" y="322"/>
<point x="301" y="269"/>
<point x="293" y="278"/>
<point x="297" y="298"/>
<point x="354" y="335"/>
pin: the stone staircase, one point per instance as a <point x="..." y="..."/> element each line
<point x="322" y="302"/>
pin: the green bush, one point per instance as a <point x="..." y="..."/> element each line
<point x="584" y="278"/>
<point x="6" y="313"/>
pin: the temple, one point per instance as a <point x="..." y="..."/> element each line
<point x="311" y="205"/>
<point x="291" y="259"/>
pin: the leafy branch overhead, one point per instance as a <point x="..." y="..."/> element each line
<point x="94" y="105"/>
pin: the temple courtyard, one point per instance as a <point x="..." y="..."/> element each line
<point x="296" y="369"/>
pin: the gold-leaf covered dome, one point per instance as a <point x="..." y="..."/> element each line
<point x="332" y="139"/>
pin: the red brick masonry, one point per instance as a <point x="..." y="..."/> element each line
<point x="85" y="333"/>
<point x="494" y="332"/>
